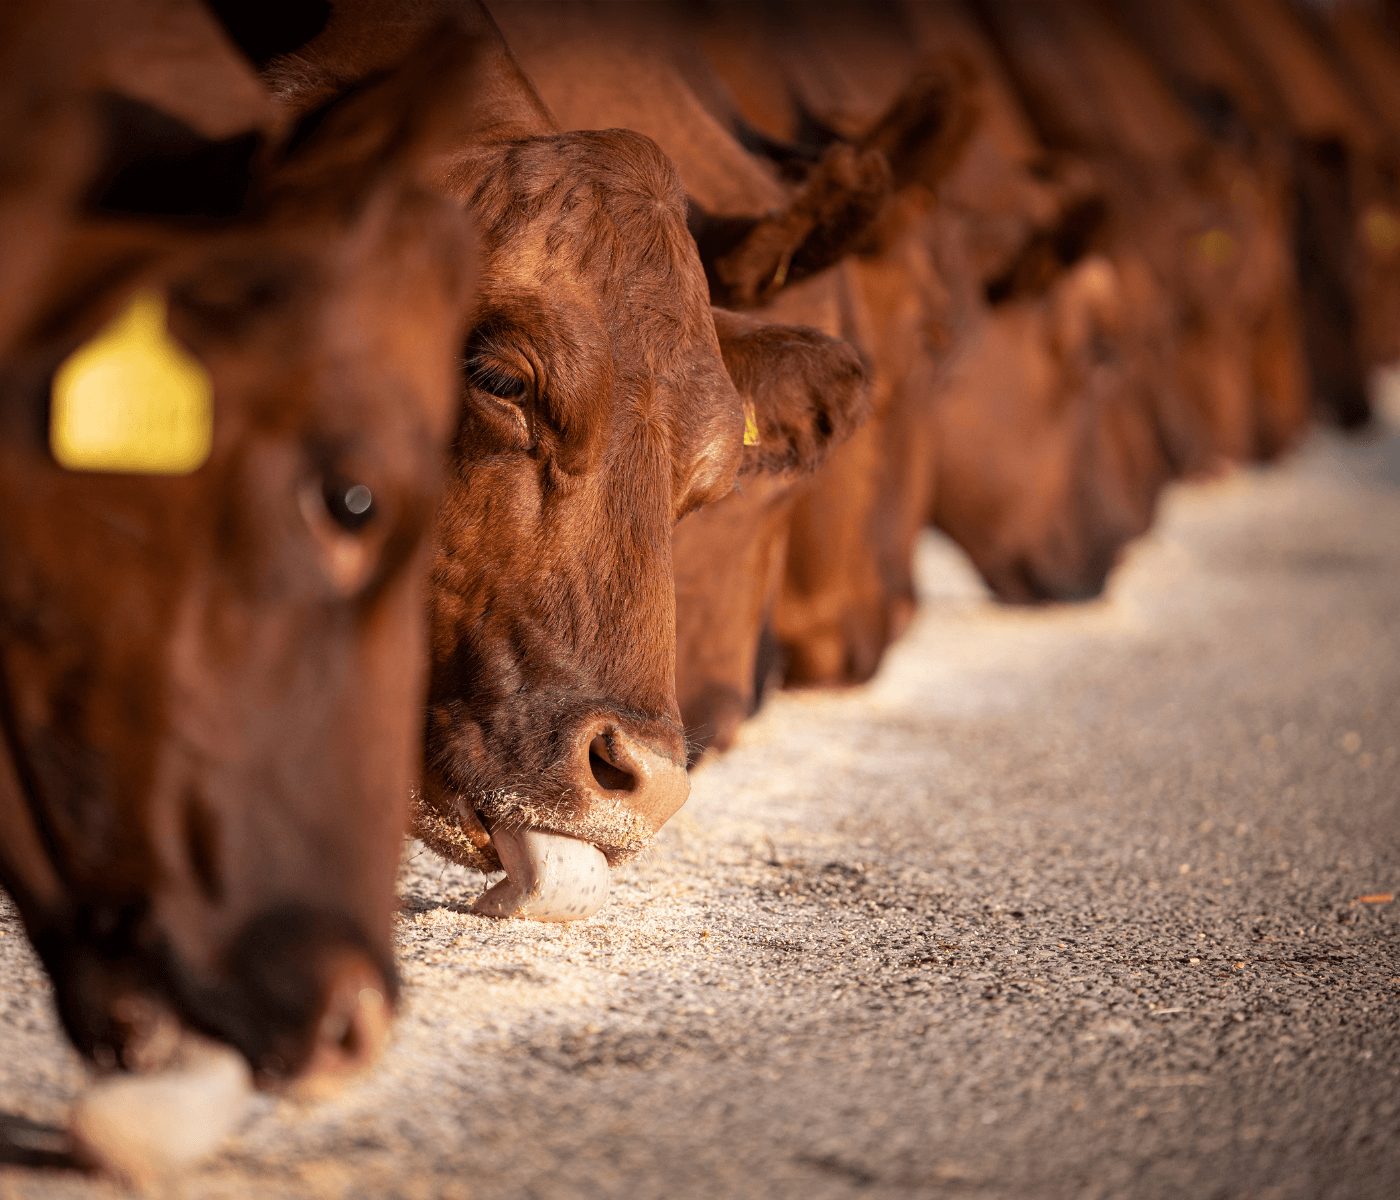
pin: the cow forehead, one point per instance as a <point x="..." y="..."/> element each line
<point x="587" y="257"/>
<point x="597" y="220"/>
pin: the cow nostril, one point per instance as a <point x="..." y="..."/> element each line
<point x="633" y="779"/>
<point x="608" y="773"/>
<point x="352" y="1031"/>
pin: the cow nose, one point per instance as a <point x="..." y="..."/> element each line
<point x="647" y="775"/>
<point x="352" y="1028"/>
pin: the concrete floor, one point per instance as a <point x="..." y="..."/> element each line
<point x="1067" y="904"/>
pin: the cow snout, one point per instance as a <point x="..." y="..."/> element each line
<point x="713" y="716"/>
<point x="625" y="786"/>
<point x="1028" y="580"/>
<point x="646" y="776"/>
<point x="312" y="1004"/>
<point x="353" y="1026"/>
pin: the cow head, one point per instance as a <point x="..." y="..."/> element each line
<point x="1050" y="456"/>
<point x="209" y="691"/>
<point x="597" y="412"/>
<point x="809" y="394"/>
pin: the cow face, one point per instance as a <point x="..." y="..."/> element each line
<point x="597" y="412"/>
<point x="808" y="393"/>
<point x="1050" y="458"/>
<point x="848" y="583"/>
<point x="1221" y="241"/>
<point x="208" y="684"/>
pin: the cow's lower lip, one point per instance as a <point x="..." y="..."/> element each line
<point x="549" y="877"/>
<point x="147" y="1126"/>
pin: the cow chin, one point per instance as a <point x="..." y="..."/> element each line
<point x="1033" y="579"/>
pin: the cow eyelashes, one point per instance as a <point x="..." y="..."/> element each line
<point x="494" y="381"/>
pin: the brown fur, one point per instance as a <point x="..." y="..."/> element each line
<point x="1196" y="211"/>
<point x="809" y="395"/>
<point x="1042" y="516"/>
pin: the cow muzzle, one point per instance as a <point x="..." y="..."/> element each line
<point x="183" y="1093"/>
<point x="625" y="789"/>
<point x="599" y="804"/>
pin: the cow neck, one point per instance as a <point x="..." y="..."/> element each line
<point x="1293" y="69"/>
<point x="601" y="67"/>
<point x="359" y="42"/>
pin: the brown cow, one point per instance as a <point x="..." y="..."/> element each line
<point x="209" y="690"/>
<point x="729" y="557"/>
<point x="1185" y="43"/>
<point x="1342" y="174"/>
<point x="762" y="242"/>
<point x="1305" y="351"/>
<point x="1366" y="47"/>
<point x="1042" y="515"/>
<point x="621" y="64"/>
<point x="1197" y="212"/>
<point x="598" y="411"/>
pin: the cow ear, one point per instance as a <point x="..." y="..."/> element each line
<point x="839" y="206"/>
<point x="395" y="123"/>
<point x="804" y="392"/>
<point x="925" y="130"/>
<point x="1049" y="250"/>
<point x="750" y="261"/>
<point x="141" y="185"/>
<point x="149" y="165"/>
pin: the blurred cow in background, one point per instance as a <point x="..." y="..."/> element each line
<point x="225" y="393"/>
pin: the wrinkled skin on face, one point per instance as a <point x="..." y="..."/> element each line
<point x="207" y="697"/>
<point x="596" y="411"/>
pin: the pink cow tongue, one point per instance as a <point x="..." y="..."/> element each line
<point x="549" y="877"/>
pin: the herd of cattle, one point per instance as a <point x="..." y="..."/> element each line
<point x="587" y="369"/>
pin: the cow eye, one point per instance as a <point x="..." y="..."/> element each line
<point x="494" y="381"/>
<point x="350" y="505"/>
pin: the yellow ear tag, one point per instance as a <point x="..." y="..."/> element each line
<point x="132" y="400"/>
<point x="1382" y="229"/>
<point x="1216" y="246"/>
<point x="751" y="437"/>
